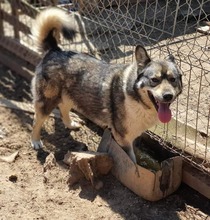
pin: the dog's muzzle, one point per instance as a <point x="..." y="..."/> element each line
<point x="163" y="106"/>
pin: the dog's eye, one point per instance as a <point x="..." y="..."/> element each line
<point x="155" y="80"/>
<point x="172" y="79"/>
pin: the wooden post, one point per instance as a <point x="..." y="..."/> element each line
<point x="1" y="20"/>
<point x="14" y="8"/>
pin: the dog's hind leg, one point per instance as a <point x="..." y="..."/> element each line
<point x="39" y="119"/>
<point x="65" y="106"/>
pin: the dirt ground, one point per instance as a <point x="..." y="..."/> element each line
<point x="27" y="191"/>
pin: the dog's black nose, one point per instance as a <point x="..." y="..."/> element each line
<point x="167" y="97"/>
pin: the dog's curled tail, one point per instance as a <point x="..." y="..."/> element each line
<point x="49" y="24"/>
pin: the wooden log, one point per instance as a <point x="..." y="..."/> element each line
<point x="87" y="164"/>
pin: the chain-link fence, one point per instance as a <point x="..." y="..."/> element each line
<point x="110" y="29"/>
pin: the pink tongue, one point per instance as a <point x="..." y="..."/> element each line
<point x="164" y="113"/>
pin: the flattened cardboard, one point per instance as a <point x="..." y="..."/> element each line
<point x="149" y="185"/>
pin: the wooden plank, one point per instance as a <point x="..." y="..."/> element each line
<point x="1" y="21"/>
<point x="22" y="106"/>
<point x="14" y="21"/>
<point x="196" y="179"/>
<point x="28" y="107"/>
<point x="184" y="144"/>
<point x="25" y="7"/>
<point x="19" y="66"/>
<point x="19" y="50"/>
<point x="16" y="16"/>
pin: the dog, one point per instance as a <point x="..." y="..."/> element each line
<point x="127" y="98"/>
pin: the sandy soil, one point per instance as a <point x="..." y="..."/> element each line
<point x="27" y="191"/>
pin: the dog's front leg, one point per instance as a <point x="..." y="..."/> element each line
<point x="127" y="147"/>
<point x="129" y="150"/>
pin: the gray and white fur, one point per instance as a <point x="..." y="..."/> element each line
<point x="122" y="97"/>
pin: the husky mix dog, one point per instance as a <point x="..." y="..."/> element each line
<point x="127" y="98"/>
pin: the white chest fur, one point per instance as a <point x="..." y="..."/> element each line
<point x="139" y="118"/>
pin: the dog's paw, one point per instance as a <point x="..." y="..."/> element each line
<point x="74" y="125"/>
<point x="36" y="144"/>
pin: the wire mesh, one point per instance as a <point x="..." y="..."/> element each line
<point x="110" y="29"/>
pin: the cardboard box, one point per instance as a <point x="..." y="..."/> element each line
<point x="149" y="185"/>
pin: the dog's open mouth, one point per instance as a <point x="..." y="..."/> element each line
<point x="164" y="112"/>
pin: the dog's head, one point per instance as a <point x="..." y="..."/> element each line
<point x="160" y="79"/>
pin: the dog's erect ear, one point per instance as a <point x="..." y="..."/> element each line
<point x="142" y="56"/>
<point x="171" y="58"/>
